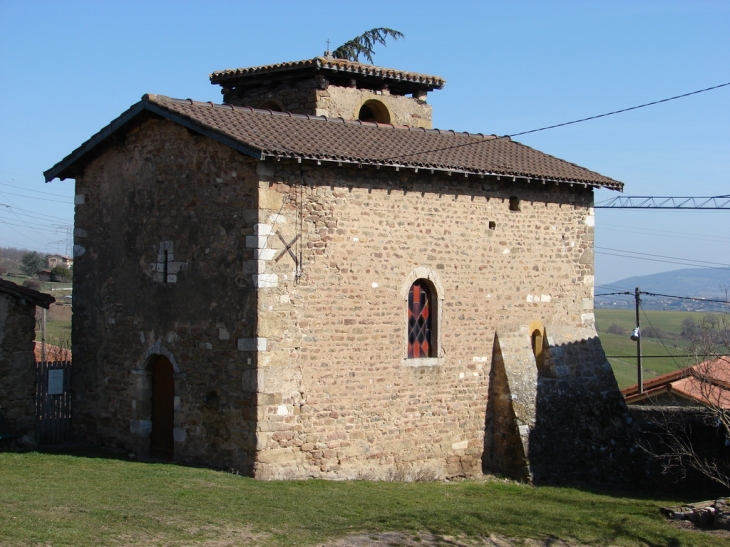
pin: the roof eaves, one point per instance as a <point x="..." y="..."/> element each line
<point x="148" y="103"/>
<point x="24" y="293"/>
<point x="529" y="177"/>
<point x="59" y="170"/>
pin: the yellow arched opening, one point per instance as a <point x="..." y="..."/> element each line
<point x="373" y="110"/>
<point x="538" y="342"/>
<point x="273" y="105"/>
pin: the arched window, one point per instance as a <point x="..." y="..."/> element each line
<point x="420" y="318"/>
<point x="540" y="347"/>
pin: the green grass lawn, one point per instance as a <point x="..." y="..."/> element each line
<point x="58" y="500"/>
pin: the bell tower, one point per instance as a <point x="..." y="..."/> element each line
<point x="336" y="88"/>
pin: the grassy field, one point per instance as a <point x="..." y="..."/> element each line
<point x="82" y="499"/>
<point x="670" y="321"/>
<point x="622" y="350"/>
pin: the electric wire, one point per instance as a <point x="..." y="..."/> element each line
<point x="70" y="202"/>
<point x="686" y="263"/>
<point x="663" y="256"/>
<point x="32" y="190"/>
<point x="655" y="332"/>
<point x="511" y="135"/>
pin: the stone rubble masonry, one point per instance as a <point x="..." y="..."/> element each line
<point x="293" y="367"/>
<point x="320" y="98"/>
<point x="17" y="364"/>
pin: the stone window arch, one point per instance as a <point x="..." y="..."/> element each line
<point x="373" y="110"/>
<point x="423" y="298"/>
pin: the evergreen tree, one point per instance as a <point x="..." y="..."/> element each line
<point x="31" y="263"/>
<point x="363" y="44"/>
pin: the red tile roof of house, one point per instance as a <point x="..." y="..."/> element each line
<point x="53" y="353"/>
<point x="263" y="133"/>
<point x="707" y="383"/>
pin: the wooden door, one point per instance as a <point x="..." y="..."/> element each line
<point x="163" y="412"/>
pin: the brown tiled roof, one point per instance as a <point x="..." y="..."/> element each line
<point x="18" y="291"/>
<point x="262" y="133"/>
<point x="707" y="383"/>
<point x="340" y="66"/>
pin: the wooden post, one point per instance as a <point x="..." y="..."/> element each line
<point x="640" y="383"/>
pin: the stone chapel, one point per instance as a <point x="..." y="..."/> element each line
<point x="308" y="280"/>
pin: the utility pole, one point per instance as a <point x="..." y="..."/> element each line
<point x="637" y="334"/>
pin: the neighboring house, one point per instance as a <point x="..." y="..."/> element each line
<point x="310" y="293"/>
<point x="59" y="260"/>
<point x="706" y="384"/>
<point x="44" y="275"/>
<point x="17" y="362"/>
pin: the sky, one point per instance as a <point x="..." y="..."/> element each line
<point x="69" y="68"/>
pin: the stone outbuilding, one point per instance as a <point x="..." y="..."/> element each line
<point x="309" y="281"/>
<point x="17" y="359"/>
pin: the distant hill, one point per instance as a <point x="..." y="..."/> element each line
<point x="694" y="282"/>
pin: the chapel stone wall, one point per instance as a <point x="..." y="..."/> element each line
<point x="162" y="269"/>
<point x="17" y="364"/>
<point x="278" y="291"/>
<point x="342" y="401"/>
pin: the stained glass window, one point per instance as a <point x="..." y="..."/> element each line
<point x="420" y="311"/>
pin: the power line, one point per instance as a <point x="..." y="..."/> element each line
<point x="665" y="296"/>
<point x="685" y="297"/>
<point x="30" y="189"/>
<point x="622" y="110"/>
<point x="685" y="263"/>
<point x="655" y="332"/>
<point x="70" y="202"/>
<point x="664" y="233"/>
<point x="511" y="135"/>
<point x="663" y="256"/>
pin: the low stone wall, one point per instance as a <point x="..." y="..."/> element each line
<point x="654" y="426"/>
<point x="17" y="364"/>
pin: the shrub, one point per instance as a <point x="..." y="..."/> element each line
<point x="616" y="329"/>
<point x="32" y="284"/>
<point x="59" y="273"/>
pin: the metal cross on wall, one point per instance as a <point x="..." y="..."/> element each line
<point x="288" y="248"/>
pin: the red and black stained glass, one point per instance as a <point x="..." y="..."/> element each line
<point x="419" y="321"/>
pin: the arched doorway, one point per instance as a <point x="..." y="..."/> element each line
<point x="163" y="408"/>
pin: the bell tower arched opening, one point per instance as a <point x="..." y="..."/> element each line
<point x="373" y="111"/>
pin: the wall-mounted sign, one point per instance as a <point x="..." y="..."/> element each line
<point x="55" y="382"/>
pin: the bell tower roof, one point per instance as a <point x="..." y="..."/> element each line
<point x="340" y="72"/>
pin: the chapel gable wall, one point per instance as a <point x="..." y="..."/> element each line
<point x="162" y="268"/>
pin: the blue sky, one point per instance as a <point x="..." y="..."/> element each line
<point x="68" y="68"/>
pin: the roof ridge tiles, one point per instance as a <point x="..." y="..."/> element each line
<point x="192" y="102"/>
<point x="337" y="65"/>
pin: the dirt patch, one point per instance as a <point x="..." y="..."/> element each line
<point x="425" y="539"/>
